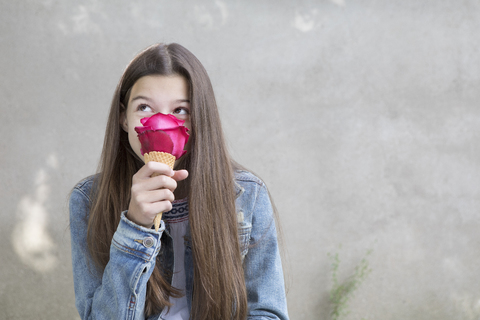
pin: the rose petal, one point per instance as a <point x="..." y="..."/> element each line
<point x="163" y="133"/>
<point x="179" y="136"/>
<point x="157" y="140"/>
<point x="160" y="121"/>
<point x="140" y="130"/>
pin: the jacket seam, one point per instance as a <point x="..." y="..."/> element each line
<point x="247" y="176"/>
<point x="85" y="184"/>
<point x="83" y="193"/>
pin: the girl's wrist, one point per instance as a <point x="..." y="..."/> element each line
<point x="128" y="216"/>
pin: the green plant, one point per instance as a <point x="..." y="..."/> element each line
<point x="342" y="292"/>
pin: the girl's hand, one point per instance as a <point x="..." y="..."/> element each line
<point x="151" y="195"/>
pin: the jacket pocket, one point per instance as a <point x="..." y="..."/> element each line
<point x="244" y="231"/>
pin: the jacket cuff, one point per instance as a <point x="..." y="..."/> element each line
<point x="136" y="240"/>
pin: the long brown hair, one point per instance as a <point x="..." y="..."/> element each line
<point x="219" y="284"/>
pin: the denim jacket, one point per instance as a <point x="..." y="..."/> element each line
<point x="119" y="293"/>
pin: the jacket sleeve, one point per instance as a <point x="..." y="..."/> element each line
<point x="263" y="265"/>
<point x="118" y="293"/>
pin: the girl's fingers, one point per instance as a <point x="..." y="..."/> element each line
<point x="180" y="175"/>
<point x="158" y="182"/>
<point x="155" y="196"/>
<point x="153" y="208"/>
<point x="154" y="167"/>
<point x="152" y="194"/>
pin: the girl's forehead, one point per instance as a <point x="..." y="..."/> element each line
<point x="153" y="84"/>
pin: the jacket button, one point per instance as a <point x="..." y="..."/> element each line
<point x="148" y="242"/>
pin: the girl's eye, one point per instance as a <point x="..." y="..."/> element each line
<point x="144" y="107"/>
<point x="181" y="111"/>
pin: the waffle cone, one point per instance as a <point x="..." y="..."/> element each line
<point x="162" y="157"/>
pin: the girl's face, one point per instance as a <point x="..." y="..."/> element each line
<point x="153" y="94"/>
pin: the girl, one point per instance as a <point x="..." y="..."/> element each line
<point x="215" y="255"/>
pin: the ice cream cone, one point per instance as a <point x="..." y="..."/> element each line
<point x="162" y="157"/>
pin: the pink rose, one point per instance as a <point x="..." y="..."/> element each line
<point x="163" y="133"/>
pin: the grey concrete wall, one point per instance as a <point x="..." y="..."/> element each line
<point x="361" y="116"/>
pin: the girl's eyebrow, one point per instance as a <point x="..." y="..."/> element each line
<point x="150" y="100"/>
<point x="141" y="97"/>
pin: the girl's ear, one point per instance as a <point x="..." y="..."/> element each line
<point x="123" y="118"/>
